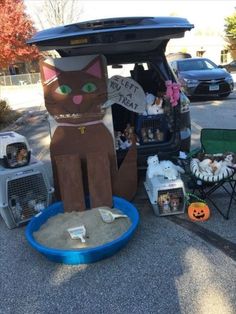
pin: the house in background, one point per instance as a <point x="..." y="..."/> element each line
<point x="207" y="43"/>
<point x="20" y="68"/>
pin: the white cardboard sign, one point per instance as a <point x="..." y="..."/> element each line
<point x="127" y="93"/>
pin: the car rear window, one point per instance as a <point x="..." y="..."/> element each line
<point x="192" y="65"/>
<point x="123" y="69"/>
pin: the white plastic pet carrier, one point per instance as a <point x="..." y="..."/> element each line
<point x="24" y="192"/>
<point x="14" y="150"/>
<point x="166" y="196"/>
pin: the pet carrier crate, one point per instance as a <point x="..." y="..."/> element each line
<point x="166" y="196"/>
<point x="14" y="150"/>
<point x="24" y="192"/>
<point x="152" y="128"/>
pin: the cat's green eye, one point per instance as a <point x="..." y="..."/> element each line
<point x="63" y="90"/>
<point x="89" y="88"/>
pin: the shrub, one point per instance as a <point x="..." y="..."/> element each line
<point x="7" y="115"/>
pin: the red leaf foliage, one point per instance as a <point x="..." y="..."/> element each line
<point x="15" y="28"/>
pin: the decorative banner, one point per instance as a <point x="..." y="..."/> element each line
<point x="127" y="93"/>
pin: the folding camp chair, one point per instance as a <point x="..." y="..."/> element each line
<point x="215" y="142"/>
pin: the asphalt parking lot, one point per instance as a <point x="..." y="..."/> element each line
<point x="171" y="265"/>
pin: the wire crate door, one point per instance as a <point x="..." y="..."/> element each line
<point x="152" y="129"/>
<point x="27" y="195"/>
<point x="171" y="201"/>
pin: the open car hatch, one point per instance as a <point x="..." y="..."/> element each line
<point x="120" y="34"/>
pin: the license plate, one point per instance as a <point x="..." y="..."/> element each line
<point x="214" y="87"/>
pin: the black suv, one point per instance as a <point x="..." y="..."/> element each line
<point x="133" y="47"/>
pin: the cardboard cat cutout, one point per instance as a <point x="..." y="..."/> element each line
<point x="75" y="96"/>
<point x="82" y="148"/>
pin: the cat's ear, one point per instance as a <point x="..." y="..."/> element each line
<point x="48" y="71"/>
<point x="95" y="68"/>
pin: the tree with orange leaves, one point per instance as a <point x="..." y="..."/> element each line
<point x="15" y="28"/>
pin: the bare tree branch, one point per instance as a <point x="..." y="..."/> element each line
<point x="60" y="12"/>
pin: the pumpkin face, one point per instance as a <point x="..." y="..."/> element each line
<point x="198" y="211"/>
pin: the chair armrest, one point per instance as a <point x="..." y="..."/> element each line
<point x="194" y="152"/>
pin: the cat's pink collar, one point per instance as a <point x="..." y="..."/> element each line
<point x="80" y="124"/>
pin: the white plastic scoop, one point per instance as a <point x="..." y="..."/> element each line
<point x="108" y="216"/>
<point x="78" y="233"/>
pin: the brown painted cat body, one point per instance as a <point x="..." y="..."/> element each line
<point x="82" y="148"/>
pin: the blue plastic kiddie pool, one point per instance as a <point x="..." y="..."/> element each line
<point x="82" y="256"/>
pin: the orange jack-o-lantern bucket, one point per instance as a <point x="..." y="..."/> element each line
<point x="198" y="211"/>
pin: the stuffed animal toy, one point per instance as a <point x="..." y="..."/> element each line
<point x="128" y="131"/>
<point x="121" y="141"/>
<point x="215" y="164"/>
<point x="205" y="166"/>
<point x="174" y="203"/>
<point x="150" y="135"/>
<point x="130" y="135"/>
<point x="117" y="139"/>
<point x="164" y="203"/>
<point x="176" y="94"/>
<point x="201" y="156"/>
<point x="172" y="92"/>
<point x="144" y="135"/>
<point x="21" y="156"/>
<point x="170" y="170"/>
<point x="169" y="90"/>
<point x="159" y="136"/>
<point x="154" y="168"/>
<point x="164" y="168"/>
<point x="153" y="105"/>
<point x="228" y="160"/>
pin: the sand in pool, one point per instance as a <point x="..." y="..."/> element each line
<point x="54" y="234"/>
